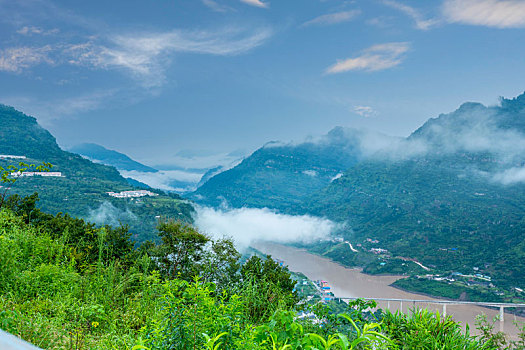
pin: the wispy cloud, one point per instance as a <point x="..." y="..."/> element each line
<point x="16" y="59"/>
<point x="168" y="180"/>
<point x="257" y="3"/>
<point x="380" y="22"/>
<point x="49" y="110"/>
<point x="215" y="6"/>
<point x="333" y="18"/>
<point x="144" y="56"/>
<point x="421" y="22"/>
<point x="147" y="56"/>
<point x="32" y="30"/>
<point x="490" y="13"/>
<point x="510" y="176"/>
<point x="364" y="111"/>
<point x="375" y="58"/>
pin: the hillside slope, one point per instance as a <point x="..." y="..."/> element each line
<point x="82" y="190"/>
<point x="100" y="154"/>
<point x="281" y="176"/>
<point x="456" y="203"/>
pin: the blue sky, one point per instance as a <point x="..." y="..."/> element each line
<point x="164" y="79"/>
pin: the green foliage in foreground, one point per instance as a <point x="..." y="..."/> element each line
<point x="65" y="284"/>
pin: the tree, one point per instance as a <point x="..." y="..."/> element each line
<point x="181" y="250"/>
<point x="221" y="264"/>
<point x="267" y="287"/>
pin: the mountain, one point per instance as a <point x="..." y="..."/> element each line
<point x="452" y="197"/>
<point x="83" y="188"/>
<point x="100" y="154"/>
<point x="281" y="176"/>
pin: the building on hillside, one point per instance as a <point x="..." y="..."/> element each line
<point x="10" y="156"/>
<point x="38" y="173"/>
<point x="132" y="194"/>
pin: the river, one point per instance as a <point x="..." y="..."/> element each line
<point x="351" y="282"/>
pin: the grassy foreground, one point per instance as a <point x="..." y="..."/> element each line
<point x="65" y="284"/>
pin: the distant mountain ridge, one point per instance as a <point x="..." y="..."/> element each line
<point x="451" y="195"/>
<point x="282" y="175"/>
<point x="100" y="154"/>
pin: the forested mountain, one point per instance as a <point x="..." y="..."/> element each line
<point x="451" y="195"/>
<point x="82" y="189"/>
<point x="454" y="198"/>
<point x="100" y="154"/>
<point x="281" y="176"/>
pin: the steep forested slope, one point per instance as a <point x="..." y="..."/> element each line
<point x="456" y="203"/>
<point x="82" y="190"/>
<point x="281" y="176"/>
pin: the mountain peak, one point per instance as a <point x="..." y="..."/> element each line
<point x="515" y="104"/>
<point x="21" y="134"/>
<point x="100" y="154"/>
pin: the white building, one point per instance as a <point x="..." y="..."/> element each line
<point x="132" y="194"/>
<point x="9" y="156"/>
<point x="37" y="173"/>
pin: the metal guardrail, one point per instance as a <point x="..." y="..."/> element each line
<point x="501" y="306"/>
<point x="11" y="342"/>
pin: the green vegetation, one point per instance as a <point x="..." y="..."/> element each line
<point x="11" y="173"/>
<point x="82" y="190"/>
<point x="442" y="206"/>
<point x="66" y="284"/>
<point x="281" y="176"/>
<point x="451" y="290"/>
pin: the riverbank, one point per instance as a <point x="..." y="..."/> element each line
<point x="351" y="282"/>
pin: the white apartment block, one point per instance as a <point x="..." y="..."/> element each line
<point x="132" y="194"/>
<point x="9" y="156"/>
<point x="38" y="173"/>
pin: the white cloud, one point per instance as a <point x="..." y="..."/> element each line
<point x="510" y="176"/>
<point x="49" y="110"/>
<point x="364" y="111"/>
<point x="198" y="161"/>
<point x="311" y="173"/>
<point x="421" y="22"/>
<point x="108" y="214"/>
<point x="249" y="224"/>
<point x="257" y="3"/>
<point x="380" y="22"/>
<point x="375" y="58"/>
<point x="215" y="6"/>
<point x="333" y="18"/>
<point x="30" y="30"/>
<point x="16" y="59"/>
<point x="490" y="13"/>
<point x="146" y="56"/>
<point x="167" y="180"/>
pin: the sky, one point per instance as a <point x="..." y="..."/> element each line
<point x="196" y="81"/>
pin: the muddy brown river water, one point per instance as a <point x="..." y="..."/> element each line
<point x="351" y="282"/>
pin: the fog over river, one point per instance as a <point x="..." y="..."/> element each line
<point x="350" y="282"/>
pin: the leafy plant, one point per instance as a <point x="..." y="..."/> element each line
<point x="11" y="173"/>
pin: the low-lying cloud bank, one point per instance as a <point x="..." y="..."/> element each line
<point x="108" y="214"/>
<point x="167" y="180"/>
<point x="510" y="176"/>
<point x="250" y="224"/>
